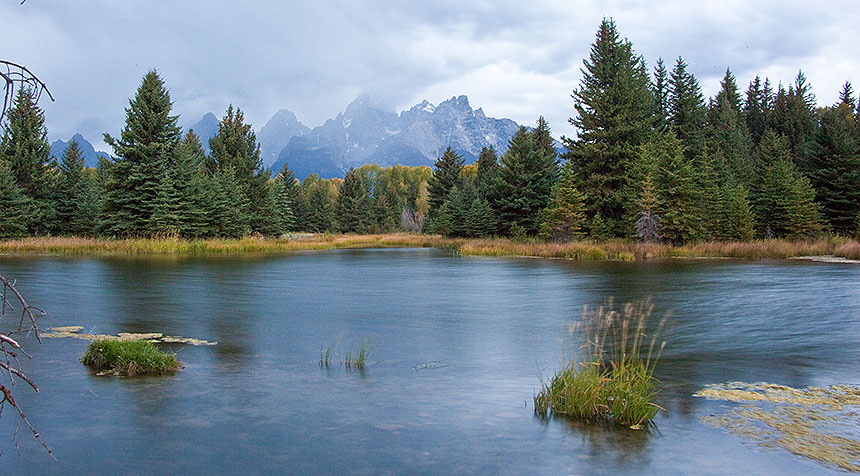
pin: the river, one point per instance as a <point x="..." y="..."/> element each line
<point x="458" y="347"/>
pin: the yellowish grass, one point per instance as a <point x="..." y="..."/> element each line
<point x="576" y="250"/>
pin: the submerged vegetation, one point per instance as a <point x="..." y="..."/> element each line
<point x="612" y="380"/>
<point x="129" y="358"/>
<point x="815" y="422"/>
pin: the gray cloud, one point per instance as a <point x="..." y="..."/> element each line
<point x="512" y="59"/>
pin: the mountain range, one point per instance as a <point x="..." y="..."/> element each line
<point x="91" y="155"/>
<point x="365" y="132"/>
<point x="368" y="133"/>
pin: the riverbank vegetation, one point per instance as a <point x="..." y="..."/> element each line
<point x="612" y="380"/>
<point x="129" y="357"/>
<point x="622" y="250"/>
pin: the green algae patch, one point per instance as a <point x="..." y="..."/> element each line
<point x="154" y="337"/>
<point x="129" y="358"/>
<point x="819" y="423"/>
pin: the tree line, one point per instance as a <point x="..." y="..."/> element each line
<point x="162" y="183"/>
<point x="653" y="160"/>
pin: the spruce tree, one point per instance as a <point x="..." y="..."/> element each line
<point x="26" y="150"/>
<point x="728" y="134"/>
<point x="736" y="221"/>
<point x="488" y="170"/>
<point x="235" y="147"/>
<point x="70" y="188"/>
<point x="795" y="118"/>
<point x="614" y="116"/>
<point x="687" y="112"/>
<point x="446" y="174"/>
<point x="85" y="221"/>
<point x="189" y="176"/>
<point x="660" y="92"/>
<point x="12" y="204"/>
<point x="678" y="195"/>
<point x="783" y="199"/>
<point x="835" y="164"/>
<point x="564" y="218"/>
<point x="758" y="108"/>
<point x="353" y="206"/>
<point x="526" y="176"/>
<point x="482" y="218"/>
<point x="144" y="152"/>
<point x="319" y="206"/>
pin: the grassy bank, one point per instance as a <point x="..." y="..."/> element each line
<point x="578" y="250"/>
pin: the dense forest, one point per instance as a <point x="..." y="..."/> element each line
<point x="653" y="160"/>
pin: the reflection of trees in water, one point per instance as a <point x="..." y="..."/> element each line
<point x="630" y="448"/>
<point x="208" y="298"/>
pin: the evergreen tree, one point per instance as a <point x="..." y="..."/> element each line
<point x="144" y="152"/>
<point x="687" y="112"/>
<point x="563" y="219"/>
<point x="648" y="228"/>
<point x="85" y="221"/>
<point x="758" y="108"/>
<point x="794" y="117"/>
<point x="285" y="191"/>
<point x="783" y="199"/>
<point x="12" y="204"/>
<point x="835" y="164"/>
<point x="386" y="209"/>
<point x="353" y="206"/>
<point x="235" y="147"/>
<point x="482" y="218"/>
<point x="446" y="174"/>
<point x="614" y="116"/>
<point x="736" y="221"/>
<point x="457" y="220"/>
<point x="25" y="148"/>
<point x="166" y="211"/>
<point x="660" y="92"/>
<point x="526" y="176"/>
<point x="319" y="206"/>
<point x="728" y="134"/>
<point x="70" y="185"/>
<point x="293" y="197"/>
<point x="678" y="195"/>
<point x="226" y="204"/>
<point x="488" y="170"/>
<point x="189" y="183"/>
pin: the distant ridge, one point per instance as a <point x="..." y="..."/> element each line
<point x="366" y="133"/>
<point x="91" y="156"/>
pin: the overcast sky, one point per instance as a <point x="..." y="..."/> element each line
<point x="514" y="59"/>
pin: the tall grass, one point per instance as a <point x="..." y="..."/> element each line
<point x="529" y="247"/>
<point x="129" y="358"/>
<point x="613" y="379"/>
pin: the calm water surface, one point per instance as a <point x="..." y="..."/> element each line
<point x="458" y="348"/>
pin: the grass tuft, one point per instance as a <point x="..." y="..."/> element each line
<point x="129" y="358"/>
<point x="614" y="378"/>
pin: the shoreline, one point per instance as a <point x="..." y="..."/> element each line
<point x="831" y="249"/>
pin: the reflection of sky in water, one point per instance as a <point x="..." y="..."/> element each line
<point x="259" y="403"/>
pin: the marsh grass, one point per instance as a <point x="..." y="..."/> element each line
<point x="355" y="359"/>
<point x="613" y="380"/>
<point x="129" y="358"/>
<point x="527" y="247"/>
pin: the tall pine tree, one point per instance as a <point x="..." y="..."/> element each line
<point x="144" y="151"/>
<point x="26" y="150"/>
<point x="614" y="116"/>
